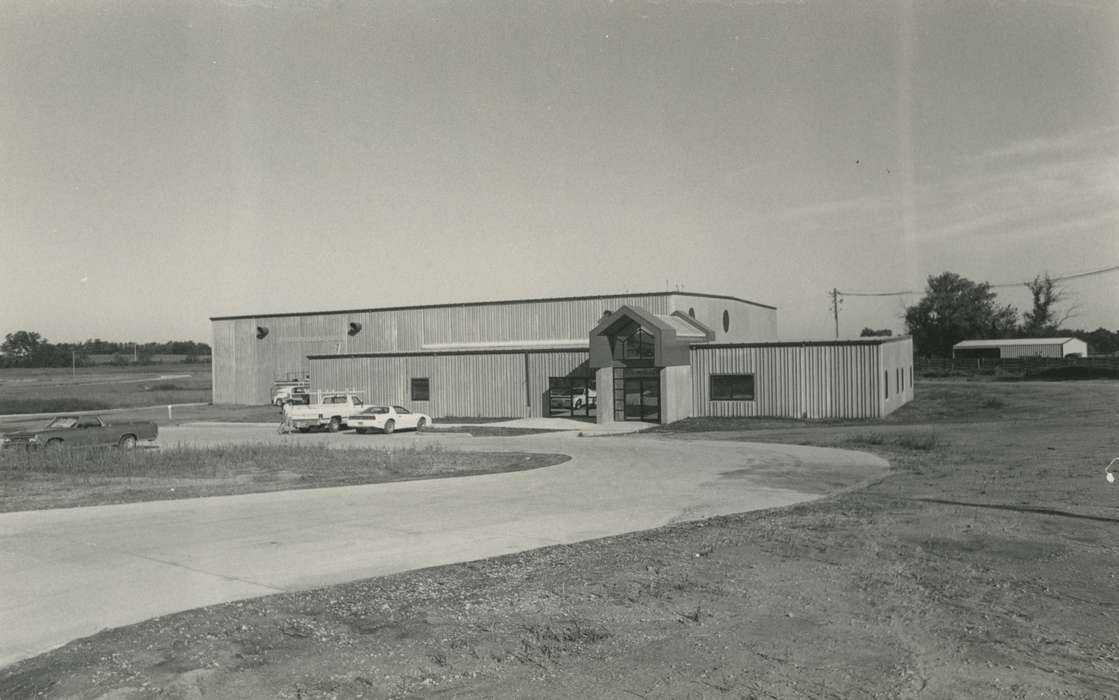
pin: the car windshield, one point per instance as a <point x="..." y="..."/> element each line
<point x="64" y="422"/>
<point x="376" y="409"/>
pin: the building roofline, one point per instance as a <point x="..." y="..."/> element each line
<point x="490" y="303"/>
<point x="444" y="353"/>
<point x="1010" y="342"/>
<point x="803" y="343"/>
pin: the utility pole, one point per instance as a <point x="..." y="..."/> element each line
<point x="74" y="362"/>
<point x="835" y="302"/>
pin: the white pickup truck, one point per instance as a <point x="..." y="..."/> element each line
<point x="328" y="410"/>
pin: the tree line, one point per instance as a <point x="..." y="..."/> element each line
<point x="30" y="349"/>
<point x="955" y="308"/>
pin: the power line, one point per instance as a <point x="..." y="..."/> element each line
<point x="1061" y="278"/>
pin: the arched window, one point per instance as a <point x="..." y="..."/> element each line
<point x="726" y="321"/>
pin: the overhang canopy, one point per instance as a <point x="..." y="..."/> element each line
<point x="671" y="334"/>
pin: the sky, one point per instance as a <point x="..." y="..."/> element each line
<point x="162" y="163"/>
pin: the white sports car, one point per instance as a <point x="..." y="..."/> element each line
<point x="388" y="419"/>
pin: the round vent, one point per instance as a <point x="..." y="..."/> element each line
<point x="261" y="331"/>
<point x="355" y="328"/>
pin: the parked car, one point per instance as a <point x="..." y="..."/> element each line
<point x="388" y="419"/>
<point x="82" y="431"/>
<point x="332" y="411"/>
<point x="581" y="397"/>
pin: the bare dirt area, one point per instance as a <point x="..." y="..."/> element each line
<point x="985" y="565"/>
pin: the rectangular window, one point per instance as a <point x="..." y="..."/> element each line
<point x="421" y="388"/>
<point x="886" y="382"/>
<point x="732" y="387"/>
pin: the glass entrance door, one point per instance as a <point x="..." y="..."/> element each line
<point x="637" y="397"/>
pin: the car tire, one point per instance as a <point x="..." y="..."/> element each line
<point x="127" y="442"/>
<point x="421" y="424"/>
<point x="389" y="427"/>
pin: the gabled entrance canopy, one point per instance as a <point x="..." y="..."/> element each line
<point x="633" y="335"/>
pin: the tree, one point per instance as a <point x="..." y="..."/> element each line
<point x="872" y="333"/>
<point x="953" y="309"/>
<point x="22" y="344"/>
<point x="1044" y="319"/>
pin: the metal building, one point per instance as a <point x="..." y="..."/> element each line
<point x="865" y="378"/>
<point x="1020" y="347"/>
<point x="655" y="357"/>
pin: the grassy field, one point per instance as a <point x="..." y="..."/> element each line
<point x="37" y="480"/>
<point x="984" y="566"/>
<point x="94" y="388"/>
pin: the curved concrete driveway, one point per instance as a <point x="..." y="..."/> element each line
<point x="68" y="573"/>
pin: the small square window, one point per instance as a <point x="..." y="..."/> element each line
<point x="732" y="387"/>
<point x="421" y="389"/>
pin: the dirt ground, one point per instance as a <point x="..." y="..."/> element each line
<point x="985" y="565"/>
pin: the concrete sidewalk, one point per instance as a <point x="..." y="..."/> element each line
<point x="68" y="573"/>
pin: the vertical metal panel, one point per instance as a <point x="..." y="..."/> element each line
<point x="475" y="385"/>
<point x="525" y="321"/>
<point x="542" y="366"/>
<point x="224" y="359"/>
<point x="244" y="381"/>
<point x="1031" y="350"/>
<point x="748" y="322"/>
<point x="245" y="372"/>
<point x="791" y="381"/>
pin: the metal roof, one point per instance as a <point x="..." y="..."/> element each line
<point x="494" y="303"/>
<point x="1005" y="342"/>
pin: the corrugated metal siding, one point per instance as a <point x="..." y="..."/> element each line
<point x="542" y="365"/>
<point x="460" y="385"/>
<point x="246" y="367"/>
<point x="1031" y="350"/>
<point x="553" y="320"/>
<point x="476" y="385"/>
<point x="224" y="362"/>
<point x="244" y="362"/>
<point x="825" y="381"/>
<point x="748" y="323"/>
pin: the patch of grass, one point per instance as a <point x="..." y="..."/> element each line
<point x="171" y="386"/>
<point x="992" y="402"/>
<point x="95" y="476"/>
<point x="1075" y="373"/>
<point x="908" y="441"/>
<point x="59" y="405"/>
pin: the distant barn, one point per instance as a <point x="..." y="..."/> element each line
<point x="1020" y="347"/>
